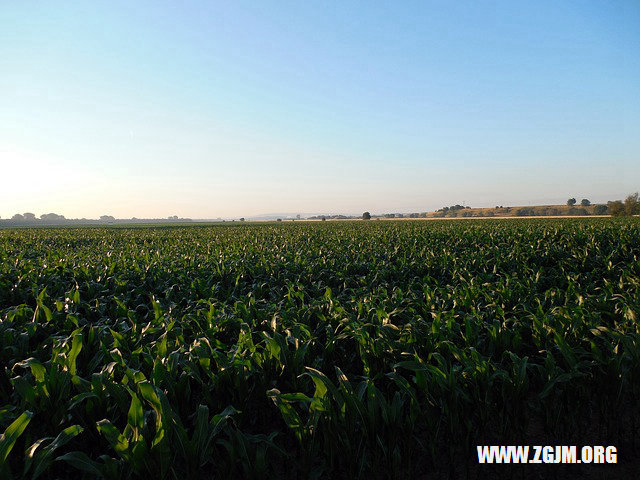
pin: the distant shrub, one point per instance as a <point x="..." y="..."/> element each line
<point x="600" y="210"/>
<point x="577" y="211"/>
<point x="631" y="205"/>
<point x="616" y="208"/>
<point x="525" y="211"/>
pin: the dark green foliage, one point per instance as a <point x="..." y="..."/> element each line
<point x="308" y="350"/>
<point x="577" y="211"/>
<point x="616" y="208"/>
<point x="525" y="211"/>
<point x="631" y="205"/>
<point x="600" y="210"/>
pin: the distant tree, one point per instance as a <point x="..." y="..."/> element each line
<point x="17" y="217"/>
<point x="324" y="219"/>
<point x="571" y="202"/>
<point x="600" y="210"/>
<point x="584" y="202"/>
<point x="106" y="218"/>
<point x="52" y="217"/>
<point x="242" y="219"/>
<point x="632" y="205"/>
<point x="615" y="208"/>
<point x="366" y="216"/>
<point x="29" y="217"/>
<point x="278" y="220"/>
<point x="577" y="211"/>
<point x="298" y="216"/>
<point x="525" y="211"/>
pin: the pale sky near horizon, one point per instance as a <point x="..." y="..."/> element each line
<point x="220" y="109"/>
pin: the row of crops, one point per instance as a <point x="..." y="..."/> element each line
<point x="314" y="350"/>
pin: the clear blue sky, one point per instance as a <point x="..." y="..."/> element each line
<point x="207" y="109"/>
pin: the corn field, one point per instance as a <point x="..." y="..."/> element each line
<point x="314" y="350"/>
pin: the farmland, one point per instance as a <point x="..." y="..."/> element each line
<point x="309" y="350"/>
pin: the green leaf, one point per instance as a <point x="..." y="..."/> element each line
<point x="289" y="414"/>
<point x="40" y="459"/>
<point x="149" y="393"/>
<point x="38" y="370"/>
<point x="118" y="441"/>
<point x="200" y="439"/>
<point x="220" y="420"/>
<point x="11" y="434"/>
<point x="135" y="416"/>
<point x="82" y="462"/>
<point x="323" y="385"/>
<point x="81" y="397"/>
<point x="76" y="347"/>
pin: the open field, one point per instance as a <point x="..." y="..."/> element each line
<point x="481" y="217"/>
<point x="523" y="211"/>
<point x="317" y="349"/>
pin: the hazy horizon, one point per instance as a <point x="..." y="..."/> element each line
<point x="150" y="109"/>
<point x="303" y="214"/>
